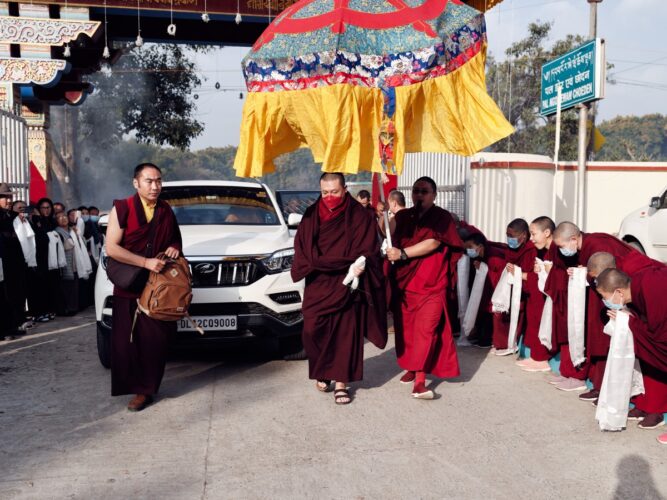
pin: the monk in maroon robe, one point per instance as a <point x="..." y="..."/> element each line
<point x="571" y="241"/>
<point x="572" y="378"/>
<point x="541" y="235"/>
<point x="645" y="294"/>
<point x="426" y="250"/>
<point x="334" y="232"/>
<point x="140" y="227"/>
<point x="520" y="251"/>
<point x="479" y="249"/>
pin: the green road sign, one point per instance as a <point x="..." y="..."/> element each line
<point x="580" y="75"/>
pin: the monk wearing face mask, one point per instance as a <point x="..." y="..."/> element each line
<point x="521" y="252"/>
<point x="643" y="296"/>
<point x="332" y="236"/>
<point x="571" y="242"/>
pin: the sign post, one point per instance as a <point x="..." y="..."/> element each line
<point x="574" y="79"/>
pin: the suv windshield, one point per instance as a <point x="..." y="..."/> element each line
<point x="230" y="205"/>
<point x="295" y="202"/>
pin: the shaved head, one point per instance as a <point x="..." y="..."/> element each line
<point x="333" y="176"/>
<point x="566" y="231"/>
<point x="600" y="261"/>
<point x="518" y="226"/>
<point x="612" y="279"/>
<point x="544" y="223"/>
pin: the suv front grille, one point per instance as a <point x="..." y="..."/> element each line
<point x="225" y="273"/>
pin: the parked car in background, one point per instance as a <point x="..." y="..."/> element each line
<point x="646" y="228"/>
<point x="240" y="250"/>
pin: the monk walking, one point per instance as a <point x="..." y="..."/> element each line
<point x="140" y="227"/>
<point x="426" y="249"/>
<point x="333" y="234"/>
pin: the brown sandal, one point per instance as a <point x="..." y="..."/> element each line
<point x="322" y="385"/>
<point x="342" y="397"/>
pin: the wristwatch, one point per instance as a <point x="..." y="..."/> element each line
<point x="404" y="256"/>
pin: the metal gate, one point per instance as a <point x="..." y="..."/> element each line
<point x="450" y="173"/>
<point x="14" y="164"/>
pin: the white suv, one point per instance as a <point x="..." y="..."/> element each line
<point x="646" y="228"/>
<point x="240" y="252"/>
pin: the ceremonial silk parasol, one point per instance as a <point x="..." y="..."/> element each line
<point x="362" y="82"/>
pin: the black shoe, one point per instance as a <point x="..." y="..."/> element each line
<point x="591" y="395"/>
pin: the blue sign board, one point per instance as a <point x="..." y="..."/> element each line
<point x="579" y="74"/>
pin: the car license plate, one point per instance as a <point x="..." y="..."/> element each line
<point x="208" y="323"/>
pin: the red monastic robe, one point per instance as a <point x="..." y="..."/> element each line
<point x="424" y="339"/>
<point x="335" y="318"/>
<point x="534" y="308"/>
<point x="556" y="288"/>
<point x="649" y="330"/>
<point x="524" y="257"/>
<point x="137" y="366"/>
<point x="494" y="258"/>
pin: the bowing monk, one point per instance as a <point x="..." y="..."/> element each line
<point x="647" y="405"/>
<point x="425" y="255"/>
<point x="333" y="234"/>
<point x="541" y="235"/>
<point x="479" y="249"/>
<point x="521" y="252"/>
<point x="645" y="294"/>
<point x="571" y="378"/>
<point x="140" y="227"/>
<point x="573" y="242"/>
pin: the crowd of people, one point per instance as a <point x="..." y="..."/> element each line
<point x="575" y="305"/>
<point x="49" y="257"/>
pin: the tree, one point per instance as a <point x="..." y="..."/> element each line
<point x="515" y="85"/>
<point x="634" y="138"/>
<point x="147" y="96"/>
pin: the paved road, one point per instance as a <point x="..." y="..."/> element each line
<point x="260" y="430"/>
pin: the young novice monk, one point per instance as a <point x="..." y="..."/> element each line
<point x="520" y="252"/>
<point x="541" y="234"/>
<point x="493" y="255"/>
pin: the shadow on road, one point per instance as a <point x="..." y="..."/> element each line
<point x="635" y="480"/>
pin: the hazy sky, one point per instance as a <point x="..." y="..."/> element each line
<point x="632" y="29"/>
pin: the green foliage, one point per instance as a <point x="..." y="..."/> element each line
<point x="148" y="96"/>
<point x="634" y="138"/>
<point x="520" y="101"/>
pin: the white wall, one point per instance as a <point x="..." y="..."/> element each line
<point x="502" y="187"/>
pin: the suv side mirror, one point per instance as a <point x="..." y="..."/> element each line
<point x="655" y="202"/>
<point x="293" y="220"/>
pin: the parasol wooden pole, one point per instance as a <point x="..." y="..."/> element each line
<point x="385" y="214"/>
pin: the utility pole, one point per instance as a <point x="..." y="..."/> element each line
<point x="583" y="121"/>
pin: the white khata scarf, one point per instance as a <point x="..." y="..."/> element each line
<point x="83" y="265"/>
<point x="470" y="316"/>
<point x="546" y="322"/>
<point x="622" y="376"/>
<point x="507" y="298"/>
<point x="26" y="237"/>
<point x="57" y="258"/>
<point x="462" y="278"/>
<point x="576" y="314"/>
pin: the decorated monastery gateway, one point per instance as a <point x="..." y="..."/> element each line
<point x="47" y="48"/>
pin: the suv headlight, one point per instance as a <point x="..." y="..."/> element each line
<point x="279" y="261"/>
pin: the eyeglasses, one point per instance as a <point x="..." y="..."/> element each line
<point x="420" y="191"/>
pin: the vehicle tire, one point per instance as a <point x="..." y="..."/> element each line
<point x="291" y="348"/>
<point x="637" y="246"/>
<point x="104" y="346"/>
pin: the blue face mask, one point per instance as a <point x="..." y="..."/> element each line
<point x="85" y="218"/>
<point x="95" y="218"/>
<point x="472" y="253"/>
<point x="610" y="305"/>
<point x="567" y="252"/>
<point x="513" y="243"/>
